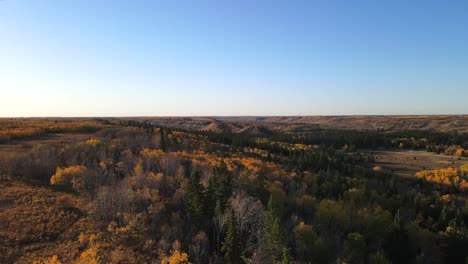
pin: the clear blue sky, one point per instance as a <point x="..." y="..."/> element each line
<point x="125" y="58"/>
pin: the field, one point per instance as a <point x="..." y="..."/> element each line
<point x="408" y="162"/>
<point x="38" y="223"/>
<point x="25" y="145"/>
<point x="231" y="190"/>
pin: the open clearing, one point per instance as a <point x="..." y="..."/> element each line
<point x="24" y="145"/>
<point x="406" y="163"/>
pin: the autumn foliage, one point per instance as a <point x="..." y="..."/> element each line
<point x="448" y="177"/>
<point x="131" y="191"/>
<point x="68" y="176"/>
<point x="33" y="128"/>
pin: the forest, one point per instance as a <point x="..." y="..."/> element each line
<point x="135" y="191"/>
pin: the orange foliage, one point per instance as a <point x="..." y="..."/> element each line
<point x="31" y="215"/>
<point x="249" y="166"/>
<point x="66" y="176"/>
<point x="456" y="150"/>
<point x="461" y="152"/>
<point x="177" y="257"/>
<point x="52" y="260"/>
<point x="27" y="128"/>
<point x="464" y="168"/>
<point x="89" y="256"/>
<point x="448" y="176"/>
<point x="93" y="142"/>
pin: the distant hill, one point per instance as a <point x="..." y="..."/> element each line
<point x="265" y="124"/>
<point x="442" y="123"/>
<point x="255" y="130"/>
<point x="217" y="126"/>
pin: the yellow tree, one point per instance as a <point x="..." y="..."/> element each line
<point x="66" y="176"/>
<point x="177" y="257"/>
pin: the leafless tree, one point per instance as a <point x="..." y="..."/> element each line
<point x="199" y="248"/>
<point x="250" y="214"/>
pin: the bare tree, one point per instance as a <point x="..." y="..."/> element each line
<point x="199" y="248"/>
<point x="250" y="214"/>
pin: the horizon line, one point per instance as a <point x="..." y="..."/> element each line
<point x="222" y="116"/>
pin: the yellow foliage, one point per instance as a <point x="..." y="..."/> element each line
<point x="26" y="128"/>
<point x="139" y="168"/>
<point x="153" y="153"/>
<point x="88" y="256"/>
<point x="53" y="260"/>
<point x="250" y="166"/>
<point x="65" y="176"/>
<point x="177" y="257"/>
<point x="464" y="168"/>
<point x="377" y="168"/>
<point x="448" y="176"/>
<point x="93" y="142"/>
<point x="82" y="238"/>
<point x="92" y="238"/>
<point x="446" y="198"/>
<point x="460" y="152"/>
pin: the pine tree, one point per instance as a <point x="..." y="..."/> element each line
<point x="232" y="244"/>
<point x="260" y="189"/>
<point x="163" y="139"/>
<point x="219" y="187"/>
<point x="195" y="201"/>
<point x="225" y="189"/>
<point x="225" y="184"/>
<point x="286" y="257"/>
<point x="274" y="236"/>
<point x="211" y="198"/>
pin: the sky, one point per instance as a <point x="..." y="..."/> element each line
<point x="240" y="57"/>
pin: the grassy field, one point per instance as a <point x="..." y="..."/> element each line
<point x="38" y="223"/>
<point x="408" y="162"/>
<point x="58" y="138"/>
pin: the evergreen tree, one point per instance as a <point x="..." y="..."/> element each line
<point x="211" y="198"/>
<point x="163" y="139"/>
<point x="225" y="189"/>
<point x="232" y="244"/>
<point x="274" y="236"/>
<point x="219" y="187"/>
<point x="286" y="257"/>
<point x="225" y="184"/>
<point x="194" y="201"/>
<point x="260" y="189"/>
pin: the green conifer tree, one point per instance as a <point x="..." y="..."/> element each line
<point x="232" y="245"/>
<point x="195" y="201"/>
<point x="274" y="236"/>
<point x="286" y="257"/>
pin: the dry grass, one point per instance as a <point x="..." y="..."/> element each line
<point x="24" y="128"/>
<point x="38" y="222"/>
<point x="407" y="163"/>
